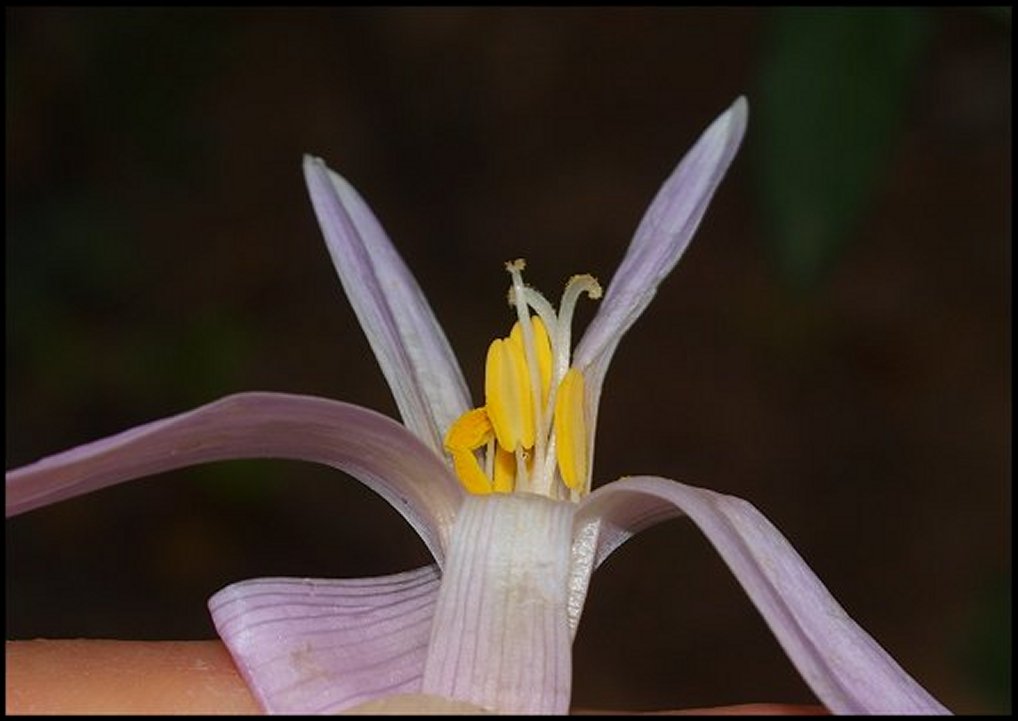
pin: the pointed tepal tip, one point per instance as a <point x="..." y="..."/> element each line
<point x="737" y="115"/>
<point x="728" y="129"/>
<point x="310" y="161"/>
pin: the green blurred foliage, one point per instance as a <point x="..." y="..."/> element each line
<point x="1000" y="14"/>
<point x="986" y="656"/>
<point x="833" y="89"/>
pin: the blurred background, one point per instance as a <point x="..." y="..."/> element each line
<point x="834" y="346"/>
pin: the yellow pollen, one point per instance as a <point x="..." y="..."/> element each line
<point x="507" y="396"/>
<point x="470" y="431"/>
<point x="468" y="470"/>
<point x="571" y="429"/>
<point x="505" y="470"/>
<point x="542" y="345"/>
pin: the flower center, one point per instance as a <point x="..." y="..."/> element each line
<point x="531" y="433"/>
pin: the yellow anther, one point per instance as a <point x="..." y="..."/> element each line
<point x="571" y="429"/>
<point x="542" y="347"/>
<point x="468" y="470"/>
<point x="507" y="395"/>
<point x="471" y="430"/>
<point x="505" y="471"/>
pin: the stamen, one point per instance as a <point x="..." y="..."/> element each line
<point x="521" y="468"/>
<point x="489" y="456"/>
<point x="547" y="471"/>
<point x="508" y="395"/>
<point x="534" y="418"/>
<point x="530" y="355"/>
<point x="571" y="430"/>
<point x="468" y="470"/>
<point x="470" y="431"/>
<point x="542" y="344"/>
<point x="505" y="470"/>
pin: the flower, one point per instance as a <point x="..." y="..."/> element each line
<point x="500" y="493"/>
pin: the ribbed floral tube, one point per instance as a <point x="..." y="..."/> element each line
<point x="307" y="645"/>
<point x="500" y="637"/>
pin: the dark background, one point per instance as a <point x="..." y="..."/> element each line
<point x="834" y="347"/>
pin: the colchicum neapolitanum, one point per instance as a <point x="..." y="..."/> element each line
<point x="500" y="492"/>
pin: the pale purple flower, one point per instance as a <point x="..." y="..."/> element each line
<point x="492" y="621"/>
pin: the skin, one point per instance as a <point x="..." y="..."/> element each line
<point x="186" y="677"/>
